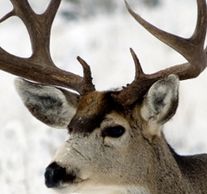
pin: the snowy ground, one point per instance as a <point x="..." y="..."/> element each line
<point x="27" y="146"/>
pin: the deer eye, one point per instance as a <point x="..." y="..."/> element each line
<point x="114" y="132"/>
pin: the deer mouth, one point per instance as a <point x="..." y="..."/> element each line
<point x="69" y="185"/>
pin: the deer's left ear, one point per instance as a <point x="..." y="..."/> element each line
<point x="160" y="104"/>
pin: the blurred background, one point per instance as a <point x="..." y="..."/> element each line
<point x="100" y="31"/>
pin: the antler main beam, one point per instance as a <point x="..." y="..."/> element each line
<point x="191" y="49"/>
<point x="40" y="66"/>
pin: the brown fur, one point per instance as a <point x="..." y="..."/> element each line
<point x="91" y="110"/>
<point x="146" y="160"/>
<point x="167" y="172"/>
<point x="170" y="173"/>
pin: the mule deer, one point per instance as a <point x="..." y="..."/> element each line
<point x="116" y="144"/>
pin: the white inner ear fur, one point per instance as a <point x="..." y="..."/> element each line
<point x="49" y="103"/>
<point x="160" y="104"/>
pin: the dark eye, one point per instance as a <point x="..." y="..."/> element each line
<point x="115" y="132"/>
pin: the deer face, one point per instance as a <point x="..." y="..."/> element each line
<point x="108" y="144"/>
<point x="99" y="158"/>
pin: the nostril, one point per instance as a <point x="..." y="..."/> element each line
<point x="56" y="174"/>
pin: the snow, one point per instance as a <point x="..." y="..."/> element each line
<point x="27" y="145"/>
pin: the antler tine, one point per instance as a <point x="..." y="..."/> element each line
<point x="138" y="68"/>
<point x="51" y="11"/>
<point x="8" y="15"/>
<point x="192" y="49"/>
<point x="200" y="31"/>
<point x="40" y="67"/>
<point x="39" y="27"/>
<point x="178" y="43"/>
<point x="87" y="78"/>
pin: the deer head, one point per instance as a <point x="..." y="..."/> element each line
<point x="115" y="142"/>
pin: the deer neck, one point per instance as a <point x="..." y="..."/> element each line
<point x="167" y="177"/>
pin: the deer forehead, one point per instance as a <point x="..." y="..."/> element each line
<point x="92" y="109"/>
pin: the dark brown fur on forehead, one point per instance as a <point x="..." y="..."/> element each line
<point x="91" y="110"/>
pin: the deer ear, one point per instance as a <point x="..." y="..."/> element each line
<point x="160" y="104"/>
<point x="54" y="107"/>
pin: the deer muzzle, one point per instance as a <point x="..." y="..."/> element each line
<point x="55" y="176"/>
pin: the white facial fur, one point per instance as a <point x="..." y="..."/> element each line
<point x="94" y="189"/>
<point x="101" y="163"/>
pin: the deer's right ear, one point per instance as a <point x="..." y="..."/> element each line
<point x="54" y="107"/>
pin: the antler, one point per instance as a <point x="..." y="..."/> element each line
<point x="192" y="49"/>
<point x="40" y="67"/>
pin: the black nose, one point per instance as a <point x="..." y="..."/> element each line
<point x="55" y="174"/>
